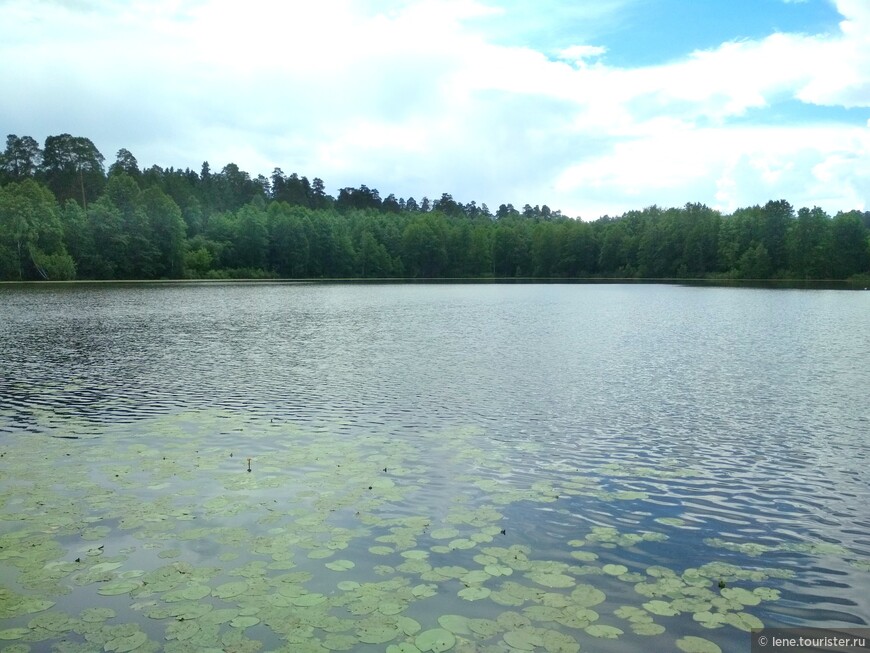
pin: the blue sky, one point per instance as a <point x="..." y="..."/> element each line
<point x="593" y="107"/>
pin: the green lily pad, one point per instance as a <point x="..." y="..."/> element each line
<point x="558" y="642"/>
<point x="767" y="594"/>
<point x="693" y="644"/>
<point x="380" y="550"/>
<point x="390" y="608"/>
<point x="404" y="647"/>
<point x="474" y="593"/>
<point x="335" y="642"/>
<point x="614" y="570"/>
<point x="710" y="619"/>
<point x="340" y="565"/>
<point x="744" y="621"/>
<point x="377" y="633"/>
<point x="435" y="640"/>
<point x="13" y="633"/>
<point x="409" y="626"/>
<point x="484" y="627"/>
<point x="742" y="596"/>
<point x="603" y="632"/>
<point x="475" y="577"/>
<point x="671" y="521"/>
<point x="551" y="580"/>
<point x="524" y="639"/>
<point x="647" y="629"/>
<point x="455" y="623"/>
<point x="244" y="622"/>
<point x="587" y="596"/>
<point x="96" y="615"/>
<point x="195" y="592"/>
<point x="661" y="608"/>
<point x="229" y="590"/>
<point x="308" y="600"/>
<point x="126" y="644"/>
<point x="119" y="587"/>
<point x="54" y="621"/>
<point x="348" y="585"/>
<point x="498" y="570"/>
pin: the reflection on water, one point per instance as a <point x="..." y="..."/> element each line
<point x="731" y="421"/>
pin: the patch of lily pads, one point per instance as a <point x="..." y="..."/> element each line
<point x="328" y="544"/>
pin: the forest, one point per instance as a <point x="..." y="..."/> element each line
<point x="64" y="216"/>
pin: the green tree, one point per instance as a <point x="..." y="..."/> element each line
<point x="288" y="244"/>
<point x="372" y="257"/>
<point x="21" y="159"/>
<point x="251" y="238"/>
<point x="545" y="249"/>
<point x="72" y="167"/>
<point x="809" y="245"/>
<point x="850" y="247"/>
<point x="737" y="233"/>
<point x="106" y="241"/>
<point x="755" y="263"/>
<point x="125" y="163"/>
<point x="480" y="251"/>
<point x="167" y="231"/>
<point x="777" y="218"/>
<point x="31" y="233"/>
<point x="138" y="258"/>
<point x="198" y="261"/>
<point x="578" y="251"/>
<point x="424" y="247"/>
<point x="508" y="255"/>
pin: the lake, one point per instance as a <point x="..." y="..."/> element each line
<point x="402" y="467"/>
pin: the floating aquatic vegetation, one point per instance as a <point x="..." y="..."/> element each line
<point x="693" y="644"/>
<point x="314" y="554"/>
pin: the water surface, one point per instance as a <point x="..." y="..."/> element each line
<point x="543" y="438"/>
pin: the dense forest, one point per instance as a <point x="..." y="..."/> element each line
<point x="63" y="215"/>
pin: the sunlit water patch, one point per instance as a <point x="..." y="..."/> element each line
<point x="429" y="469"/>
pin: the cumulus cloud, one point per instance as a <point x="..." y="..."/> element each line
<point x="415" y="97"/>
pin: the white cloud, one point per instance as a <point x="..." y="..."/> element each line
<point x="580" y="54"/>
<point x="412" y="97"/>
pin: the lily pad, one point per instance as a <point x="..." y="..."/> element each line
<point x="474" y="593"/>
<point x="604" y="632"/>
<point x="119" y="587"/>
<point x="195" y="592"/>
<point x="661" y="608"/>
<point x="229" y="590"/>
<point x="126" y="644"/>
<point x="693" y="644"/>
<point x="96" y="615"/>
<point x="435" y="640"/>
<point x="647" y="629"/>
<point x="340" y="565"/>
<point x="13" y="633"/>
<point x="587" y="596"/>
<point x="551" y="580"/>
<point x="244" y="622"/>
<point x="483" y="627"/>
<point x="456" y="624"/>
<point x="744" y="621"/>
<point x="526" y="639"/>
<point x="742" y="596"/>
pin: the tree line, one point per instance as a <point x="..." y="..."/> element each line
<point x="63" y="216"/>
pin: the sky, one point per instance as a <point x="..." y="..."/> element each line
<point x="592" y="107"/>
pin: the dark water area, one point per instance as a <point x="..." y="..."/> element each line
<point x="618" y="434"/>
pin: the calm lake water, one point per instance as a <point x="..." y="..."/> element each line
<point x="446" y="467"/>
